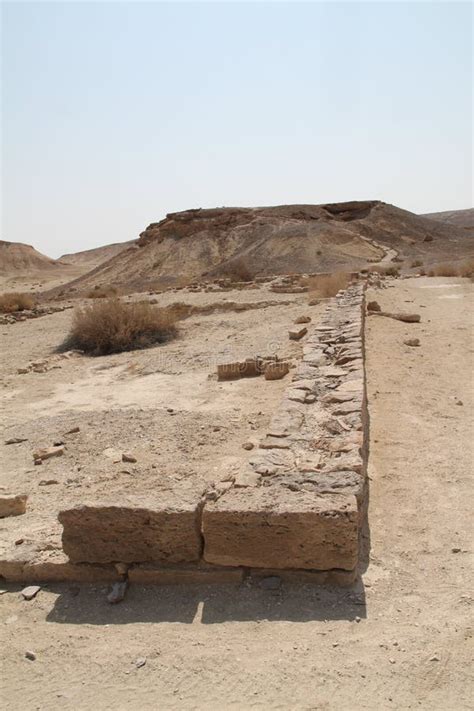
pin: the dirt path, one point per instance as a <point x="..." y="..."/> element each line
<point x="401" y="640"/>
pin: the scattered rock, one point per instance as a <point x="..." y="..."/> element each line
<point x="73" y="431"/>
<point x="434" y="658"/>
<point x="118" y="592"/>
<point x="47" y="453"/>
<point x="373" y="306"/>
<point x="128" y="458"/>
<point x="412" y="342"/>
<point x="296" y="333"/>
<point x="248" y="445"/>
<point x="12" y="505"/>
<point x="30" y="655"/>
<point x="303" y="319"/>
<point x="459" y="402"/>
<point x="357" y="619"/>
<point x="140" y="662"/>
<point x="16" y="440"/>
<point x="30" y="591"/>
<point x="455" y="550"/>
<point x="48" y="482"/>
<point x="407" y="318"/>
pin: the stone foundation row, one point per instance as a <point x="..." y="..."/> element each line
<point x="297" y="506"/>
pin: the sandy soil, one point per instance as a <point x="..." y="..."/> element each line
<point x="400" y="639"/>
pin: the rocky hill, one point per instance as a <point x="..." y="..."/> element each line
<point x="18" y="258"/>
<point x="270" y="240"/>
<point x="463" y="219"/>
<point x="91" y="258"/>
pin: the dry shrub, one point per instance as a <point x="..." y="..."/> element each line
<point x="113" y="326"/>
<point x="416" y="263"/>
<point x="238" y="270"/>
<point x="9" y="303"/>
<point x="467" y="269"/>
<point x="102" y="292"/>
<point x="324" y="286"/>
<point x="447" y="270"/>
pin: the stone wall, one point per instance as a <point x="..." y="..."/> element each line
<point x="297" y="507"/>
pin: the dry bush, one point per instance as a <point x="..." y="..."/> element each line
<point x="113" y="326"/>
<point x="467" y="269"/>
<point x="447" y="270"/>
<point x="102" y="292"/>
<point x="237" y="270"/>
<point x="416" y="263"/>
<point x="324" y="286"/>
<point x="9" y="303"/>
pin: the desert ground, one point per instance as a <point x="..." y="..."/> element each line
<point x="399" y="638"/>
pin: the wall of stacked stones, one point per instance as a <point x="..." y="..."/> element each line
<point x="297" y="507"/>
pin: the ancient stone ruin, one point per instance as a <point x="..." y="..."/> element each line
<point x="297" y="507"/>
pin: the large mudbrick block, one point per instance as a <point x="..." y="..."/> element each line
<point x="130" y="534"/>
<point x="272" y="527"/>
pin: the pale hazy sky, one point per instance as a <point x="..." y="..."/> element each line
<point x="115" y="113"/>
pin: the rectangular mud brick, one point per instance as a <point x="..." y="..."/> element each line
<point x="106" y="534"/>
<point x="278" y="528"/>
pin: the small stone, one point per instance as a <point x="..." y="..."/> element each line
<point x="296" y="333"/>
<point x="248" y="445"/>
<point x="434" y="658"/>
<point x="30" y="655"/>
<point x="16" y="440"/>
<point x="459" y="402"/>
<point x="30" y="591"/>
<point x="391" y="660"/>
<point x="414" y="342"/>
<point x="335" y="644"/>
<point x="455" y="550"/>
<point x="303" y="319"/>
<point x="118" y="592"/>
<point x="121" y="568"/>
<point x="73" y="431"/>
<point x="48" y="452"/>
<point x="48" y="482"/>
<point x="273" y="582"/>
<point x="357" y="619"/>
<point x="140" y="662"/>
<point x="170" y="410"/>
<point x="128" y="458"/>
<point x="373" y="306"/>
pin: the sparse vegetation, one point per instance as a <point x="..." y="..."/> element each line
<point x="447" y="270"/>
<point x="112" y="326"/>
<point x="9" y="303"/>
<point x="324" y="286"/>
<point x="416" y="263"/>
<point x="465" y="269"/>
<point x="102" y="292"/>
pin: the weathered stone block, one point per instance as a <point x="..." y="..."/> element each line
<point x="130" y="534"/>
<point x="12" y="504"/>
<point x="276" y="528"/>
